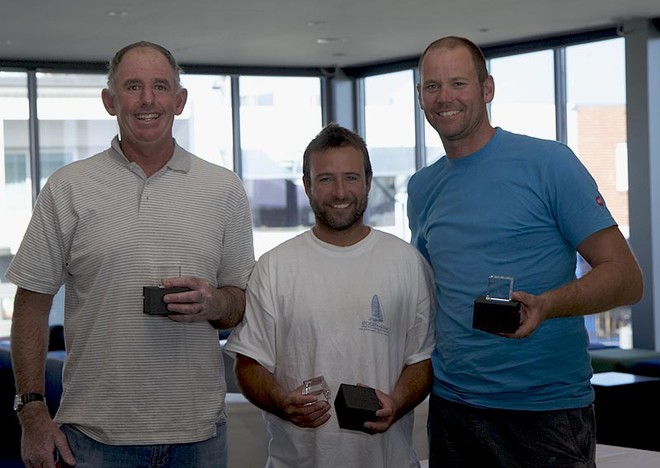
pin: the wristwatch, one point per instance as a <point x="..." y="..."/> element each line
<point x="25" y="398"/>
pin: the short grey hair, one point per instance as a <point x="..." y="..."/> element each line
<point x="114" y="63"/>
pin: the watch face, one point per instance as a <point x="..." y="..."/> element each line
<point x="22" y="400"/>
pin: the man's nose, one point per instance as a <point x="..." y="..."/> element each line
<point x="339" y="188"/>
<point x="148" y="95"/>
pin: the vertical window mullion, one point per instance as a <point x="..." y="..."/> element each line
<point x="33" y="125"/>
<point x="561" y="117"/>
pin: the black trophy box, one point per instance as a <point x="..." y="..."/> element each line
<point x="153" y="299"/>
<point x="355" y="405"/>
<point x="496" y="316"/>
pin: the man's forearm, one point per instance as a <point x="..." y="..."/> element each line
<point x="413" y="386"/>
<point x="232" y="305"/>
<point x="29" y="340"/>
<point x="259" y="386"/>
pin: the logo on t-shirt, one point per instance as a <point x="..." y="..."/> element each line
<point x="375" y="322"/>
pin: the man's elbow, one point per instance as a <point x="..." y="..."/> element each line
<point x="638" y="292"/>
<point x="635" y="286"/>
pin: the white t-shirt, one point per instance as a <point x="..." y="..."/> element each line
<point x="356" y="314"/>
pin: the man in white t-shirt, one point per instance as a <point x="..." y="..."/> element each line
<point x="343" y="301"/>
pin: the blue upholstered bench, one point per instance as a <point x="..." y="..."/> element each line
<point x="647" y="367"/>
<point x="620" y="360"/>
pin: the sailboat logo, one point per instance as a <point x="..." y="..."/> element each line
<point x="376" y="321"/>
<point x="376" y="311"/>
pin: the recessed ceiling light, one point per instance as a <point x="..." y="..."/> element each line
<point x="117" y="14"/>
<point x="315" y="23"/>
<point x="330" y="40"/>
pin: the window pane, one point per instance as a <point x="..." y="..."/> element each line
<point x="390" y="137"/>
<point x="524" y="94"/>
<point x="15" y="186"/>
<point x="205" y="126"/>
<point x="279" y="117"/>
<point x="597" y="133"/>
<point x="433" y="144"/>
<point x="73" y="123"/>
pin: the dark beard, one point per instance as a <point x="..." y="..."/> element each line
<point x="323" y="216"/>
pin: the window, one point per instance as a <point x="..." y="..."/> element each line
<point x="16" y="188"/>
<point x="73" y="123"/>
<point x="279" y="116"/>
<point x="524" y="94"/>
<point x="390" y="137"/>
<point x="597" y="133"/>
<point x="205" y="126"/>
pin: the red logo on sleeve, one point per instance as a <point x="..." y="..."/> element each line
<point x="599" y="201"/>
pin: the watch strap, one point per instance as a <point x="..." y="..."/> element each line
<point x="25" y="398"/>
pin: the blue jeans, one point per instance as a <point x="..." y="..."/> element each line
<point x="210" y="453"/>
<point x="464" y="436"/>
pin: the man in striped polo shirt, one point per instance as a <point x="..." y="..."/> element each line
<point x="139" y="390"/>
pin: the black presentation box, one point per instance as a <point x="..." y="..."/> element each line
<point x="355" y="405"/>
<point x="496" y="316"/>
<point x="153" y="299"/>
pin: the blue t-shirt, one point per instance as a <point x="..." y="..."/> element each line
<point x="518" y="207"/>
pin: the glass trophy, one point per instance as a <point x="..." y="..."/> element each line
<point x="496" y="312"/>
<point x="318" y="387"/>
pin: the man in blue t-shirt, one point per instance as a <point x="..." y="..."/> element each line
<point x="510" y="205"/>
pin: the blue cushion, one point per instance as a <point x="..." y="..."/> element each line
<point x="647" y="367"/>
<point x="5" y="354"/>
<point x="54" y="364"/>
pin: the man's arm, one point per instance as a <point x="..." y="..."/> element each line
<point x="261" y="388"/>
<point x="29" y="340"/>
<point x="232" y="308"/>
<point x="615" y="279"/>
<point x="413" y="385"/>
<point x="29" y="346"/>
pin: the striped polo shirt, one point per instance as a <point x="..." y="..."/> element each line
<point x="103" y="229"/>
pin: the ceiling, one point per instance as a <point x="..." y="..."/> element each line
<point x="286" y="33"/>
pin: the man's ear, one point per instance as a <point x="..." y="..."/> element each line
<point x="181" y="99"/>
<point x="489" y="89"/>
<point x="419" y="95"/>
<point x="108" y="101"/>
<point x="307" y="185"/>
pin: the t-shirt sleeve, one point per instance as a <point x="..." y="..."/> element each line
<point x="255" y="335"/>
<point x="577" y="204"/>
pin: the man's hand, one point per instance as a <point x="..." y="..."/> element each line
<point x="42" y="438"/>
<point x="305" y="410"/>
